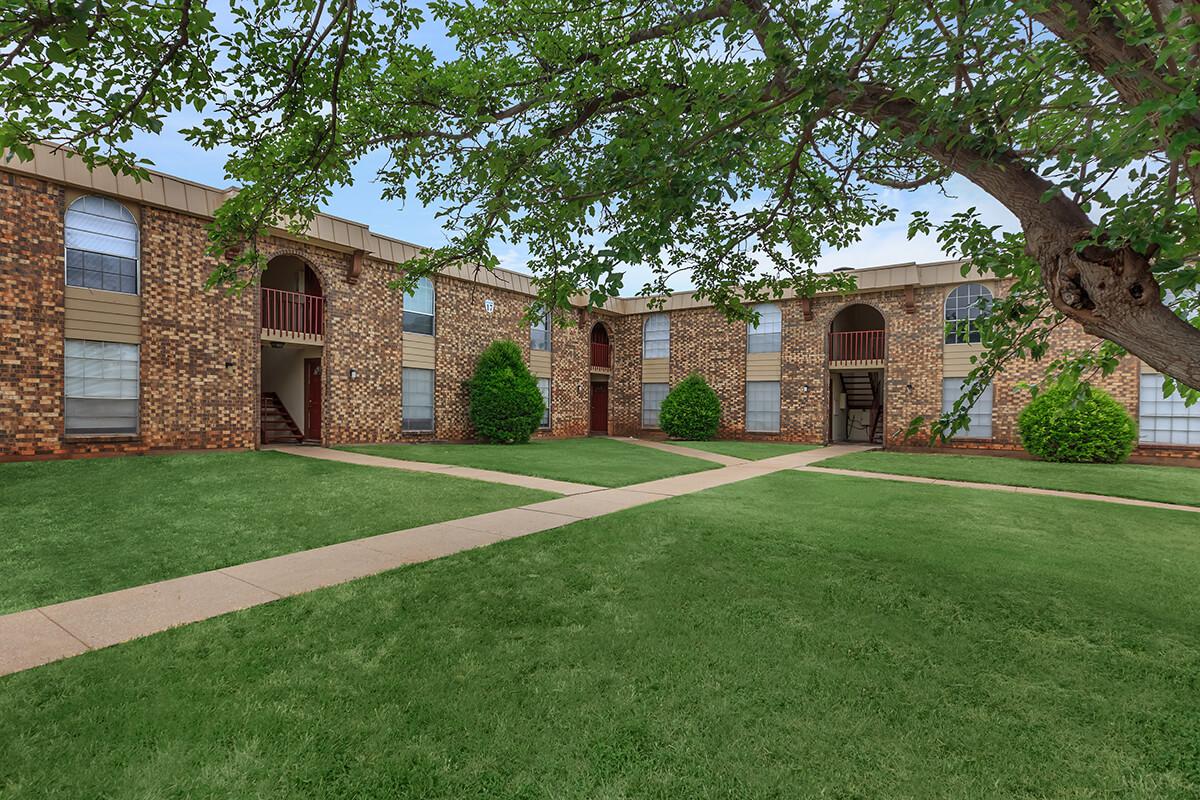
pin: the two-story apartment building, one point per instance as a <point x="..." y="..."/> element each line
<point x="110" y="342"/>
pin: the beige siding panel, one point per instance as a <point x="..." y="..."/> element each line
<point x="419" y="350"/>
<point x="102" y="316"/>
<point x="656" y="370"/>
<point x="539" y="363"/>
<point x="956" y="359"/>
<point x="762" y="367"/>
<point x="46" y="163"/>
<point x="1148" y="370"/>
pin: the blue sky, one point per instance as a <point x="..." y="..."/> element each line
<point x="886" y="244"/>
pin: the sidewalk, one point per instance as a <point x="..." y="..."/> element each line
<point x="39" y="636"/>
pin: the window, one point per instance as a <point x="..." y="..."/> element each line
<point x="764" y="338"/>
<point x="762" y="406"/>
<point x="544" y="388"/>
<point x="964" y="306"/>
<point x="418" y="399"/>
<point x="418" y="308"/>
<point x="1165" y="420"/>
<point x="101" y="387"/>
<point x="656" y="336"/>
<point x="102" y="245"/>
<point x="980" y="415"/>
<point x="653" y="395"/>
<point x="539" y="333"/>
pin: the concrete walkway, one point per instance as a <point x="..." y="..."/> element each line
<point x="39" y="636"/>
<point x="691" y="452"/>
<point x="999" y="487"/>
<point x="490" y="475"/>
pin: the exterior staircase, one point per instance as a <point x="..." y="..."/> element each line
<point x="276" y="423"/>
<point x="863" y="392"/>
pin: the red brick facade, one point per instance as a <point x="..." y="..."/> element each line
<point x="201" y="363"/>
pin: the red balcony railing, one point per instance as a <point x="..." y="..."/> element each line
<point x="293" y="313"/>
<point x="848" y="346"/>
<point x="601" y="354"/>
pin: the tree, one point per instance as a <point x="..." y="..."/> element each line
<point x="735" y="139"/>
<point x="506" y="405"/>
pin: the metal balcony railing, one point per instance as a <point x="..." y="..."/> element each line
<point x="293" y="314"/>
<point x="856" y="346"/>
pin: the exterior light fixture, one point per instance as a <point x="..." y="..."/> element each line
<point x="353" y="374"/>
<point x="908" y="387"/>
<point x="276" y="345"/>
<point x="805" y="388"/>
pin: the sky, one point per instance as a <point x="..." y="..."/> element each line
<point x="885" y="244"/>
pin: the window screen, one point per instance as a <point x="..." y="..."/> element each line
<point x="418" y="399"/>
<point x="101" y="387"/>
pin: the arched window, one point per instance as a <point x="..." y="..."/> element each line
<point x="539" y="333"/>
<point x="418" y="308"/>
<point x="656" y="336"/>
<point x="764" y="337"/>
<point x="102" y="245"/>
<point x="964" y="306"/>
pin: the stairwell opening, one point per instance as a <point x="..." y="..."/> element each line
<point x="291" y="395"/>
<point x="856" y="353"/>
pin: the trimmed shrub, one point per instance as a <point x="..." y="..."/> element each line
<point x="1078" y="423"/>
<point x="506" y="406"/>
<point x="691" y="410"/>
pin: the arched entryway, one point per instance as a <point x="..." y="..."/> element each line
<point x="601" y="371"/>
<point x="856" y="353"/>
<point x="291" y="377"/>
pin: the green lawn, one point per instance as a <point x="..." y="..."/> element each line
<point x="752" y="451"/>
<point x="799" y="635"/>
<point x="77" y="528"/>
<point x="600" y="462"/>
<point x="1163" y="484"/>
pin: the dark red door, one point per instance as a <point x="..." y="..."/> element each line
<point x="312" y="399"/>
<point x="599" y="407"/>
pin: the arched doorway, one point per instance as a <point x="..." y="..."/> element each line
<point x="601" y="362"/>
<point x="857" y="348"/>
<point x="291" y="378"/>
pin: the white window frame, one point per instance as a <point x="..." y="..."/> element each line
<point x="406" y="391"/>
<point x="431" y="314"/>
<point x="651" y="413"/>
<point x="980" y="416"/>
<point x="539" y="334"/>
<point x="754" y="427"/>
<point x="544" y="388"/>
<point x="656" y="336"/>
<point x="1165" y="421"/>
<point x="129" y="218"/>
<point x="94" y="373"/>
<point x="767" y="335"/>
<point x="971" y="299"/>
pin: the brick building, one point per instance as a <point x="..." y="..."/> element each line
<point x="111" y="342"/>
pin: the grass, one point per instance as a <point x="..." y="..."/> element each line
<point x="77" y="528"/>
<point x="752" y="451"/>
<point x="600" y="462"/>
<point x="798" y="635"/>
<point x="1180" y="485"/>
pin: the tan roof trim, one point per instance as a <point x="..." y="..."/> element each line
<point x="176" y="194"/>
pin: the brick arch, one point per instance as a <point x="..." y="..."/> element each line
<point x="304" y="258"/>
<point x="878" y="309"/>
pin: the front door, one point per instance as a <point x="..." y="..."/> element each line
<point x="599" y="407"/>
<point x="312" y="399"/>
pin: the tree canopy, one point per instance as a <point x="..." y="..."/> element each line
<point x="734" y="140"/>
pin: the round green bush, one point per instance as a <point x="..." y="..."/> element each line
<point x="1078" y="423"/>
<point x="506" y="406"/>
<point x="691" y="410"/>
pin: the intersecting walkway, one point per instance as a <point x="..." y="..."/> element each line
<point x="41" y="635"/>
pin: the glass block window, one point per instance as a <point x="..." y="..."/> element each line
<point x="544" y="388"/>
<point x="1165" y="420"/>
<point x="101" y="387"/>
<point x="539" y="333"/>
<point x="764" y="337"/>
<point x="102" y="245"/>
<point x="418" y="308"/>
<point x="417" y="393"/>
<point x="980" y="415"/>
<point x="762" y="406"/>
<point x="653" y="395"/>
<point x="656" y="336"/>
<point x="964" y="306"/>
